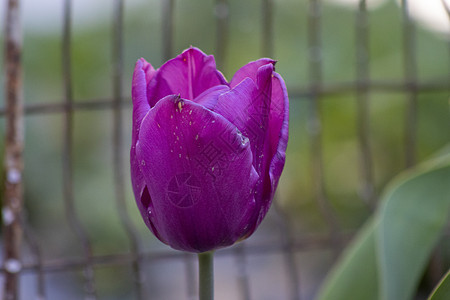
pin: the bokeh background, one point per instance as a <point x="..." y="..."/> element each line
<point x="315" y="212"/>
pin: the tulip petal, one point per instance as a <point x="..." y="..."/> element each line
<point x="234" y="104"/>
<point x="247" y="106"/>
<point x="188" y="75"/>
<point x="275" y="152"/>
<point x="261" y="112"/>
<point x="209" y="97"/>
<point x="249" y="70"/>
<point x="279" y="128"/>
<point x="199" y="174"/>
<point x="143" y="73"/>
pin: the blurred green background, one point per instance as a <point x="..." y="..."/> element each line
<point x="195" y="25"/>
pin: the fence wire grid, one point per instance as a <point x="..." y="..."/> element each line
<point x="26" y="269"/>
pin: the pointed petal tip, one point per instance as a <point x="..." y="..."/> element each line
<point x="250" y="70"/>
<point x="193" y="49"/>
<point x="141" y="63"/>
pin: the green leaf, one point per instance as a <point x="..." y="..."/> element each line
<point x="389" y="254"/>
<point x="355" y="275"/>
<point x="412" y="218"/>
<point x="442" y="289"/>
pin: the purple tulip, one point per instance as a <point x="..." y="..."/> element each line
<point x="206" y="154"/>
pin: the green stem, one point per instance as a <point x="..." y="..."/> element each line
<point x="206" y="275"/>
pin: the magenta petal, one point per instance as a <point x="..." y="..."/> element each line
<point x="199" y="175"/>
<point x="247" y="106"/>
<point x="260" y="111"/>
<point x="250" y="70"/>
<point x="209" y="97"/>
<point x="150" y="72"/>
<point x="143" y="73"/>
<point x="275" y="150"/>
<point x="188" y="75"/>
<point x="239" y="106"/>
<point x="279" y="129"/>
<point x="235" y="104"/>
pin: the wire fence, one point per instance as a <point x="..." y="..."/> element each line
<point x="17" y="233"/>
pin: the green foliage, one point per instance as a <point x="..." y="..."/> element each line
<point x="411" y="221"/>
<point x="355" y="276"/>
<point x="389" y="254"/>
<point x="442" y="290"/>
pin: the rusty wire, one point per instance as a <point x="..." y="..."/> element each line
<point x="69" y="201"/>
<point x="410" y="74"/>
<point x="118" y="145"/>
<point x="315" y="122"/>
<point x="13" y="155"/>
<point x="367" y="189"/>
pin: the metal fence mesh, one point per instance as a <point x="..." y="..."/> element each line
<point x="16" y="228"/>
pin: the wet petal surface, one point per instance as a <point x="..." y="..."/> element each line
<point x="199" y="175"/>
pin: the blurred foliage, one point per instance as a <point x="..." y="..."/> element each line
<point x="442" y="290"/>
<point x="195" y="25"/>
<point x="389" y="255"/>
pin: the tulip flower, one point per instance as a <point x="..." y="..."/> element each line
<point x="206" y="154"/>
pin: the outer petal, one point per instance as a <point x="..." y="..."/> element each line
<point x="275" y="150"/>
<point x="250" y="70"/>
<point x="143" y="73"/>
<point x="275" y="147"/>
<point x="188" y="75"/>
<point x="279" y="129"/>
<point x="199" y="174"/>
<point x="248" y="106"/>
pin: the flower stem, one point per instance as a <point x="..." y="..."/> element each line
<point x="206" y="275"/>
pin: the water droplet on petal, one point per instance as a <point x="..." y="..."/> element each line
<point x="196" y="137"/>
<point x="143" y="162"/>
<point x="244" y="139"/>
<point x="149" y="213"/>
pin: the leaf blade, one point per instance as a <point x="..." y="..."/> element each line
<point x="355" y="274"/>
<point x="442" y="289"/>
<point x="413" y="215"/>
